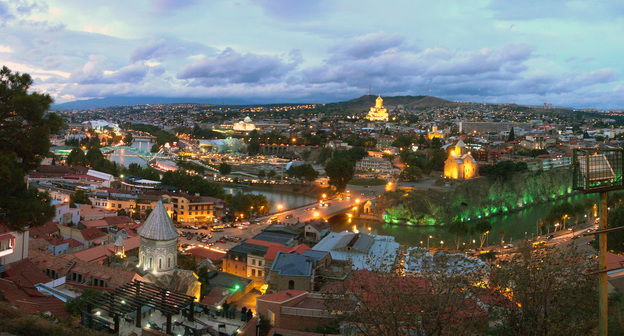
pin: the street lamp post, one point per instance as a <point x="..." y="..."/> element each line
<point x="428" y="241"/>
<point x="441" y="244"/>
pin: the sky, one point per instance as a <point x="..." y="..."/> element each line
<point x="566" y="53"/>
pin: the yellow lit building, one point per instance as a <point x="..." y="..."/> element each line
<point x="460" y="165"/>
<point x="434" y="133"/>
<point x="378" y="112"/>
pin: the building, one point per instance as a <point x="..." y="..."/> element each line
<point x="378" y="112"/>
<point x="496" y="127"/>
<point x="294" y="271"/>
<point x="362" y="250"/>
<point x="374" y="164"/>
<point x="434" y="133"/>
<point x="295" y="310"/>
<point x="13" y="246"/>
<point x="244" y="125"/>
<point x="158" y="252"/>
<point x="247" y="259"/>
<point x="460" y="165"/>
<point x="190" y="209"/>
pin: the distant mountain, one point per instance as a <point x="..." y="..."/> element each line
<point x="128" y="101"/>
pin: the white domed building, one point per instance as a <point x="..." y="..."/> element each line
<point x="245" y="125"/>
<point x="158" y="252"/>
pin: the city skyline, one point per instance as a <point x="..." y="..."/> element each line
<point x="564" y="53"/>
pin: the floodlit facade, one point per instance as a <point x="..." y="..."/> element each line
<point x="460" y="165"/>
<point x="378" y="112"/>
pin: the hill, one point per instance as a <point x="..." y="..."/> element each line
<point x="364" y="103"/>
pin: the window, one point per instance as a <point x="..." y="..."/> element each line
<point x="159" y="263"/>
<point x="259" y="273"/>
<point x="168" y="262"/>
<point x="259" y="262"/>
<point x="253" y="262"/>
<point x="253" y="272"/>
<point x="291" y="284"/>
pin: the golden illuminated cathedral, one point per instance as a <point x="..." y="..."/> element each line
<point x="460" y="165"/>
<point x="378" y="112"/>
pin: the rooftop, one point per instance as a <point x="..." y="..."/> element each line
<point x="158" y="225"/>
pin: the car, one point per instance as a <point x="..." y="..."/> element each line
<point x="549" y="237"/>
<point x="508" y="246"/>
<point x="575" y="237"/>
<point x="289" y="216"/>
<point x="222" y="240"/>
<point x="348" y="197"/>
<point x="188" y="237"/>
<point x="185" y="245"/>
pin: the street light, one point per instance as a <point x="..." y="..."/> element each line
<point x="357" y="201"/>
<point x="428" y="241"/>
<point x="324" y="196"/>
<point x="421" y="243"/>
<point x="279" y="207"/>
<point x="441" y="244"/>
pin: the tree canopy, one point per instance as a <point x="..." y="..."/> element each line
<point x="24" y="141"/>
<point x="340" y="171"/>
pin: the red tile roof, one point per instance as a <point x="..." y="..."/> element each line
<point x="281" y="297"/>
<point x="44" y="230"/>
<point x="262" y="242"/>
<point x="272" y="252"/>
<point x="206" y="253"/>
<point x="91" y="233"/>
<point x="31" y="303"/>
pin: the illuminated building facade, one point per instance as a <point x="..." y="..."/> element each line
<point x="378" y="112"/>
<point x="460" y="165"/>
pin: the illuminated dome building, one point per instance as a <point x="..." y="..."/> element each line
<point x="378" y="112"/>
<point x="245" y="125"/>
<point x="460" y="165"/>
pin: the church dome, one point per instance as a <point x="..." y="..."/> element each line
<point x="247" y="119"/>
<point x="158" y="225"/>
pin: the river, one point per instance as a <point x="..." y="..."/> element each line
<point x="516" y="225"/>
<point x="287" y="200"/>
<point x="125" y="158"/>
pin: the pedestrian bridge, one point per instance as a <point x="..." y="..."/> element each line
<point x="133" y="152"/>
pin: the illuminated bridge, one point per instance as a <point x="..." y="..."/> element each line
<point x="133" y="152"/>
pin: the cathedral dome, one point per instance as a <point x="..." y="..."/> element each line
<point x="158" y="225"/>
<point x="247" y="119"/>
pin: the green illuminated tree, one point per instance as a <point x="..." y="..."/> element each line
<point x="24" y="140"/>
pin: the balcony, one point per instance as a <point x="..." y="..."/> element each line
<point x="6" y="252"/>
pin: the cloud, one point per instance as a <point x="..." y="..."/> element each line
<point x="370" y="45"/>
<point x="232" y="67"/>
<point x="294" y="9"/>
<point x="153" y="49"/>
<point x="93" y="72"/>
<point x="166" y="6"/>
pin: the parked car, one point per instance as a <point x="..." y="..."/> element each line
<point x="289" y="216"/>
<point x="549" y="237"/>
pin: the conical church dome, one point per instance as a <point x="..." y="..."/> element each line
<point x="158" y="225"/>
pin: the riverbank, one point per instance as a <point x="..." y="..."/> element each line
<point x="310" y="190"/>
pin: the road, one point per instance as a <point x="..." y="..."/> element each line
<point x="358" y="195"/>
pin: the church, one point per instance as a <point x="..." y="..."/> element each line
<point x="378" y="112"/>
<point x="460" y="165"/>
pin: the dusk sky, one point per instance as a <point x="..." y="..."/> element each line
<point x="567" y="53"/>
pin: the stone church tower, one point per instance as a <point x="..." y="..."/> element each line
<point x="158" y="252"/>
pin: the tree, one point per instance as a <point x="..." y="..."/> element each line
<point x="384" y="304"/>
<point x="411" y="173"/>
<point x="24" y="140"/>
<point x="271" y="174"/>
<point x="550" y="286"/>
<point x="304" y="171"/>
<point x="459" y="229"/>
<point x="512" y="136"/>
<point x="76" y="157"/>
<point x="261" y="174"/>
<point x="128" y="139"/>
<point x="77" y="305"/>
<point x="79" y="197"/>
<point x="225" y="168"/>
<point x="253" y="143"/>
<point x="94" y="155"/>
<point x="483" y="227"/>
<point x="340" y="171"/>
